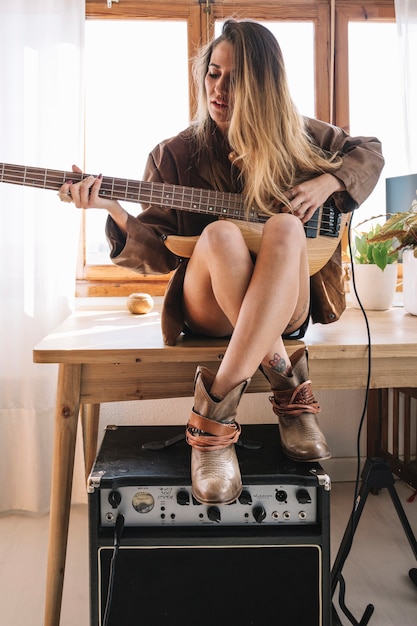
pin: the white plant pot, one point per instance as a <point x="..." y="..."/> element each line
<point x="410" y="281"/>
<point x="375" y="288"/>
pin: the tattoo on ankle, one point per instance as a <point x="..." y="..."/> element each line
<point x="278" y="364"/>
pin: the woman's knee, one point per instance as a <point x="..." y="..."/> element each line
<point x="221" y="228"/>
<point x="285" y="229"/>
<point x="223" y="236"/>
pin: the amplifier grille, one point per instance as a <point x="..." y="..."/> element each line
<point x="214" y="585"/>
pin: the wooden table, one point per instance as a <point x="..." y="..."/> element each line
<point x="109" y="355"/>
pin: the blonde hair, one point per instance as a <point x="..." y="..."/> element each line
<point x="266" y="133"/>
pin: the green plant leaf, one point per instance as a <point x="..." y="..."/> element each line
<point x="380" y="257"/>
<point x="372" y="248"/>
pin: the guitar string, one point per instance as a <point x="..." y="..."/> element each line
<point x="129" y="190"/>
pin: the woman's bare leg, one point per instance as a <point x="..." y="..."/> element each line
<point x="225" y="293"/>
<point x="216" y="280"/>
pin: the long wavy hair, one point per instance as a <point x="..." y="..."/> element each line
<point x="266" y="133"/>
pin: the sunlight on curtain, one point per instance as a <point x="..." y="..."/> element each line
<point x="406" y="18"/>
<point x="40" y="125"/>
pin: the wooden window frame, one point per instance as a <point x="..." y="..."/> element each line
<point x="200" y="15"/>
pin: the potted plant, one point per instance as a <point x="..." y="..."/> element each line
<point x="374" y="275"/>
<point x="402" y="227"/>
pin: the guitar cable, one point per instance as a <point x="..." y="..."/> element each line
<point x="369" y="609"/>
<point x="369" y="369"/>
<point x="118" y="530"/>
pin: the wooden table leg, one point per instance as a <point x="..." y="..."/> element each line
<point x="66" y="420"/>
<point x="90" y="415"/>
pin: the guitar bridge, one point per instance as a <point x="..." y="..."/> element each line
<point x="330" y="220"/>
<point x="311" y="227"/>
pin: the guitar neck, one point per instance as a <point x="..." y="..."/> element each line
<point x="323" y="230"/>
<point x="205" y="201"/>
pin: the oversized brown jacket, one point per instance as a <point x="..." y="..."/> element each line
<point x="175" y="161"/>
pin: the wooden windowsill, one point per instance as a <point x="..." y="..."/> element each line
<point x="114" y="281"/>
<point x="155" y="286"/>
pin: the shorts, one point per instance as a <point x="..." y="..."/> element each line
<point x="296" y="334"/>
<point x="300" y="332"/>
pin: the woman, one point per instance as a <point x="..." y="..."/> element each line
<point x="247" y="138"/>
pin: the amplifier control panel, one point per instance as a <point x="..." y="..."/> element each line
<point x="175" y="506"/>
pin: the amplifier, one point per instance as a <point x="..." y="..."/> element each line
<point x="165" y="559"/>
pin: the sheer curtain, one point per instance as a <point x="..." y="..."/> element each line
<point x="406" y="17"/>
<point x="40" y="125"/>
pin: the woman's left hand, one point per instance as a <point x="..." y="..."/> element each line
<point x="306" y="197"/>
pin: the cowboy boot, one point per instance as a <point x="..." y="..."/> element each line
<point x="212" y="433"/>
<point x="294" y="404"/>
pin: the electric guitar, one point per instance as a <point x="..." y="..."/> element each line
<point x="323" y="231"/>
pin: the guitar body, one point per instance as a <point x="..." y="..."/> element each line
<point x="323" y="231"/>
<point x="319" y="249"/>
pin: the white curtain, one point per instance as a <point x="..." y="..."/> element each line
<point x="406" y="18"/>
<point x="40" y="125"/>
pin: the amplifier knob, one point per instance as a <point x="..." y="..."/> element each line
<point x="183" y="497"/>
<point x="114" y="499"/>
<point x="213" y="513"/>
<point x="303" y="497"/>
<point x="259" y="514"/>
<point x="245" y="497"/>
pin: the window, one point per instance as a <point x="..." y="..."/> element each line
<point x="375" y="104"/>
<point x="134" y="99"/>
<point x="137" y="57"/>
<point x="296" y="40"/>
<point x="138" y="89"/>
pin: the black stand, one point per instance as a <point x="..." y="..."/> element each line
<point x="376" y="475"/>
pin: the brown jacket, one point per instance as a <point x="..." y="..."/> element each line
<point x="174" y="161"/>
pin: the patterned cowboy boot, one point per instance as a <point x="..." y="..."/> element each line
<point x="212" y="433"/>
<point x="294" y="404"/>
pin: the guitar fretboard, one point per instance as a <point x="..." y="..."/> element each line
<point x="325" y="222"/>
<point x="205" y="201"/>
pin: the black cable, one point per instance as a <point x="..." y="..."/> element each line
<point x="413" y="575"/>
<point x="118" y="530"/>
<point x="368" y="380"/>
<point x="365" y="405"/>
